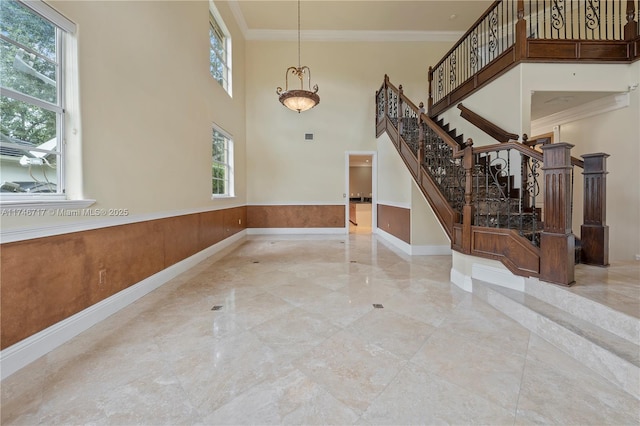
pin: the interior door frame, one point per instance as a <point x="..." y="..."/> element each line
<point x="374" y="188"/>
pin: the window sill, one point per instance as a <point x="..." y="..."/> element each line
<point x="40" y="203"/>
<point x="223" y="197"/>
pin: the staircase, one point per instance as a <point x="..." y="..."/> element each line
<point x="510" y="202"/>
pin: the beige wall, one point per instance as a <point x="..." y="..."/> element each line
<point x="283" y="167"/>
<point x="616" y="134"/>
<point x="425" y="227"/>
<point x="147" y="103"/>
<point x="498" y="102"/>
<point x="394" y="179"/>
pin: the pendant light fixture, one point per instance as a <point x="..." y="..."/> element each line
<point x="299" y="99"/>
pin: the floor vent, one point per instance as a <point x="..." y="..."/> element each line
<point x="216" y="308"/>
<point x="353" y="261"/>
<point x="378" y="306"/>
<point x="256" y="261"/>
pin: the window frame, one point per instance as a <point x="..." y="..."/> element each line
<point x="228" y="164"/>
<point x="217" y="26"/>
<point x="63" y="28"/>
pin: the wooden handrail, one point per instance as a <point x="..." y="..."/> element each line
<point x="530" y="152"/>
<point x="486" y="126"/>
<point x="520" y="147"/>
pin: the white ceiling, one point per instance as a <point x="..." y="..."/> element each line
<point x="380" y="15"/>
<point x="271" y="19"/>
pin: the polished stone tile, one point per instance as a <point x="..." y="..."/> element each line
<point x="294" y="333"/>
<point x="399" y="334"/>
<point x="473" y="365"/>
<point x="416" y="396"/>
<point x="297" y="341"/>
<point x="557" y="390"/>
<point x="291" y="399"/>
<point x="352" y="370"/>
<point x="213" y="376"/>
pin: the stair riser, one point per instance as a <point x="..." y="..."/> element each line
<point x="615" y="322"/>
<point x="611" y="367"/>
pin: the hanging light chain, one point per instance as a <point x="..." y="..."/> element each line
<point x="299" y="34"/>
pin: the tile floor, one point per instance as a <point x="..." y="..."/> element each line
<point x="297" y="341"/>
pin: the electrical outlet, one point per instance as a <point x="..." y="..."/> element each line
<point x="102" y="276"/>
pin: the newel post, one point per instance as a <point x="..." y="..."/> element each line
<point x="520" y="47"/>
<point x="631" y="27"/>
<point x="467" y="210"/>
<point x="594" y="232"/>
<point x="557" y="242"/>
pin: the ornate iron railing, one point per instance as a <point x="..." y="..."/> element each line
<point x="500" y="186"/>
<point x="576" y="20"/>
<point x="487" y="39"/>
<point x="506" y="192"/>
<point x="514" y="30"/>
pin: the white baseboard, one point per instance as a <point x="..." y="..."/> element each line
<point x="395" y="241"/>
<point x="497" y="276"/>
<point x="413" y="250"/>
<point x="461" y="280"/>
<point x="430" y="250"/>
<point x="295" y="231"/>
<point x="28" y="350"/>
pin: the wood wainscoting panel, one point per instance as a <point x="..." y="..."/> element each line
<point x="211" y="228"/>
<point x="395" y="221"/>
<point x="505" y="245"/>
<point x="46" y="280"/>
<point x="296" y="216"/>
<point x="180" y="237"/>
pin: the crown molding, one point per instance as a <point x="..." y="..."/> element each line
<point x="338" y="35"/>
<point x="596" y="107"/>
<point x="239" y="17"/>
<point x="353" y="35"/>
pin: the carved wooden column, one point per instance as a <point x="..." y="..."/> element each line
<point x="520" y="47"/>
<point x="594" y="232"/>
<point x="467" y="210"/>
<point x="631" y="27"/>
<point x="430" y="99"/>
<point x="557" y="242"/>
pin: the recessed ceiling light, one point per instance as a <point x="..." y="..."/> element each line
<point x="452" y="17"/>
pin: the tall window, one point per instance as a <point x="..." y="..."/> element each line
<point x="31" y="99"/>
<point x="220" y="50"/>
<point x="222" y="165"/>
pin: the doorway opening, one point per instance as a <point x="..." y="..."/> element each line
<point x="361" y="214"/>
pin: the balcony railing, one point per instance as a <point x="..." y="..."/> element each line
<point x="538" y="30"/>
